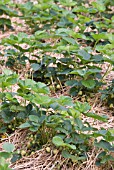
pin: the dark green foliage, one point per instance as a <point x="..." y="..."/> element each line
<point x="50" y="117"/>
<point x="65" y="54"/>
<point x="108" y="94"/>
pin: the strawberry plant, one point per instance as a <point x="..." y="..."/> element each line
<point x="66" y="44"/>
<point x="80" y="64"/>
<point x="49" y="118"/>
<point x="108" y="94"/>
<point x="63" y="68"/>
<point x="6" y="10"/>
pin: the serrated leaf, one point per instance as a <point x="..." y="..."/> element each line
<point x="34" y="118"/>
<point x="79" y="123"/>
<point x="65" y="101"/>
<point x="67" y="155"/>
<point x="41" y="88"/>
<point x="69" y="40"/>
<point x="88" y="83"/>
<point x="105" y="145"/>
<point x="25" y="125"/>
<point x="71" y="83"/>
<point x="41" y="99"/>
<point x="84" y="55"/>
<point x="95" y="116"/>
<point x="99" y="5"/>
<point x="58" y="141"/>
<point x="35" y="66"/>
<point x="82" y="107"/>
<point x="80" y="72"/>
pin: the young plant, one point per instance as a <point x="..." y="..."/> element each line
<point x="108" y="94"/>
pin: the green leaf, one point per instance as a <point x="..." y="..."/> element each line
<point x="105" y="145"/>
<point x="85" y="72"/>
<point x="74" y="113"/>
<point x="88" y="83"/>
<point x="41" y="88"/>
<point x="99" y="36"/>
<point x="8" y="147"/>
<point x="80" y="72"/>
<point x="41" y="99"/>
<point x="69" y="40"/>
<point x="103" y="153"/>
<point x="82" y="107"/>
<point x="70" y="146"/>
<point x="71" y="83"/>
<point x="65" y="101"/>
<point x="111" y="130"/>
<point x="28" y="83"/>
<point x="67" y="155"/>
<point x="79" y="123"/>
<point x="99" y="5"/>
<point x="37" y="33"/>
<point x="84" y="55"/>
<point x="3" y="164"/>
<point x="6" y="155"/>
<point x="63" y="30"/>
<point x="58" y="141"/>
<point x="15" y="157"/>
<point x="95" y="116"/>
<point x="21" y="36"/>
<point x="7" y="72"/>
<point x="107" y="158"/>
<point x="25" y="125"/>
<point x="34" y="118"/>
<point x="80" y="9"/>
<point x="35" y="66"/>
<point x="68" y="3"/>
